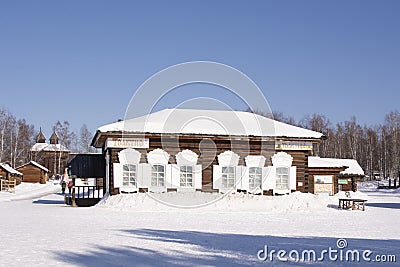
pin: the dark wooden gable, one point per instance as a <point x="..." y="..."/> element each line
<point x="87" y="166"/>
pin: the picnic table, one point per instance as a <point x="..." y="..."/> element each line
<point x="353" y="203"/>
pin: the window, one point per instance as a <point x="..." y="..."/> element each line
<point x="323" y="184"/>
<point x="186" y="178"/>
<point x="228" y="177"/>
<point x="129" y="175"/>
<point x="157" y="175"/>
<point x="255" y="177"/>
<point x="282" y="178"/>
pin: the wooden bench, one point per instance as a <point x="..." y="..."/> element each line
<point x="353" y="203"/>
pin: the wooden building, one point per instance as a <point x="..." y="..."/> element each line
<point x="9" y="173"/>
<point x="205" y="150"/>
<point x="87" y="172"/>
<point x="86" y="165"/>
<point x="330" y="175"/>
<point x="53" y="156"/>
<point x="33" y="172"/>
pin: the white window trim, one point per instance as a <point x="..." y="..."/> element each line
<point x="234" y="177"/>
<point x="130" y="188"/>
<point x="192" y="173"/>
<point x="278" y="179"/>
<point x="151" y="177"/>
<point x="251" y="186"/>
<point x="135" y="178"/>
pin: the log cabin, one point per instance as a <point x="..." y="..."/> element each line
<point x="205" y="150"/>
<point x="331" y="175"/>
<point x="33" y="172"/>
<point x="9" y="173"/>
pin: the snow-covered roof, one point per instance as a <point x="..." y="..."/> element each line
<point x="10" y="169"/>
<point x="315" y="162"/>
<point x="352" y="165"/>
<point x="48" y="147"/>
<point x="35" y="164"/>
<point x="214" y="122"/>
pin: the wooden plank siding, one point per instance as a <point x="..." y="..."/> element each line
<point x="208" y="148"/>
<point x="352" y="181"/>
<point x="53" y="161"/>
<point x="4" y="174"/>
<point x="33" y="174"/>
<point x="10" y="177"/>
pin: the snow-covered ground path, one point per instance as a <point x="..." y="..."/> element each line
<point x="44" y="232"/>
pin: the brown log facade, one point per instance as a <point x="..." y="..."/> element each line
<point x="32" y="173"/>
<point x="208" y="148"/>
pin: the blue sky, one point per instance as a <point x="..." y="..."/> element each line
<point x="82" y="61"/>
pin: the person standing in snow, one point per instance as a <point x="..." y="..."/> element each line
<point x="70" y="185"/>
<point x="63" y="186"/>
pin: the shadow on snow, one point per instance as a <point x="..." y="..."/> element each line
<point x="214" y="249"/>
<point x="48" y="202"/>
<point x="384" y="205"/>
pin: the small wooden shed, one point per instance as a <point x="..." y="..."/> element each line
<point x="9" y="173"/>
<point x="33" y="172"/>
<point x="337" y="174"/>
<point x="323" y="175"/>
<point x="347" y="180"/>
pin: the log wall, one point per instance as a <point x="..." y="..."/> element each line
<point x="10" y="177"/>
<point x="209" y="147"/>
<point x="33" y="174"/>
<point x="51" y="160"/>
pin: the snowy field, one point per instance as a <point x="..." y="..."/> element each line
<point x="134" y="230"/>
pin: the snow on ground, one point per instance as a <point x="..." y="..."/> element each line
<point x="135" y="230"/>
<point x="29" y="191"/>
<point x="239" y="202"/>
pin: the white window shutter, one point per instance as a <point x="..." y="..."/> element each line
<point x="269" y="178"/>
<point x="292" y="177"/>
<point x="198" y="177"/>
<point x="238" y="177"/>
<point x="217" y="177"/>
<point x="175" y="176"/>
<point x="168" y="176"/>
<point x="245" y="178"/>
<point x="117" y="175"/>
<point x="144" y="176"/>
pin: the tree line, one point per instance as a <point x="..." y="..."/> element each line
<point x="375" y="147"/>
<point x="17" y="138"/>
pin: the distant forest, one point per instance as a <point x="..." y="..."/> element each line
<point x="17" y="137"/>
<point x="375" y="147"/>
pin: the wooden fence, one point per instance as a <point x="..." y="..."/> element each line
<point x="88" y="193"/>
<point x="8" y="186"/>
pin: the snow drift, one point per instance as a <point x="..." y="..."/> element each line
<point x="238" y="202"/>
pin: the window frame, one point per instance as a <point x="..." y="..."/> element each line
<point x="279" y="178"/>
<point x="228" y="179"/>
<point x="255" y="176"/>
<point x="184" y="175"/>
<point x="132" y="181"/>
<point x="157" y="176"/>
